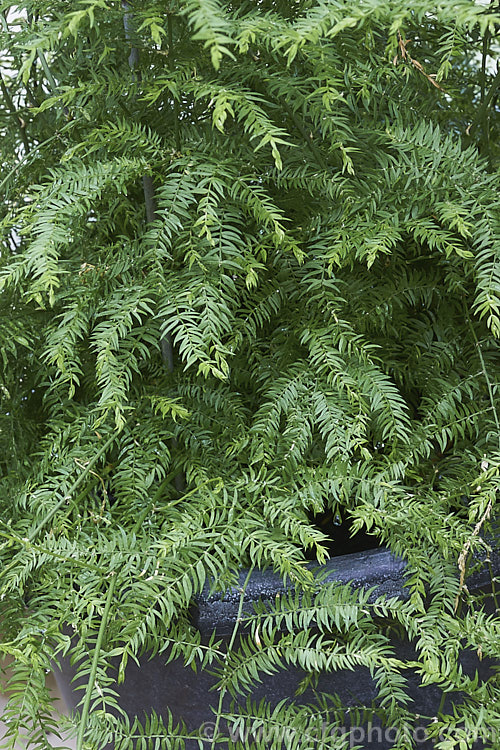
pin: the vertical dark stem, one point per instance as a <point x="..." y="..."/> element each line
<point x="482" y="84"/>
<point x="166" y="347"/>
<point x="147" y="182"/>
<point x="149" y="198"/>
<point x="133" y="58"/>
<point x="486" y="117"/>
<point x="151" y="215"/>
<point x="167" y="352"/>
<point x="177" y="135"/>
<point x="482" y="115"/>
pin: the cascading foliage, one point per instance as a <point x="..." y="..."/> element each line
<point x="319" y="255"/>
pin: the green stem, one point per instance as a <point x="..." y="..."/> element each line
<point x="166" y="340"/>
<point x="50" y="78"/>
<point x="493" y="587"/>
<point x="485" y="117"/>
<point x="485" y="373"/>
<point x="102" y="628"/>
<point x="299" y="124"/>
<point x="67" y="497"/>
<point x="31" y="96"/>
<point x="441" y="703"/>
<point x="33" y="151"/>
<point x="47" y="71"/>
<point x="308" y="139"/>
<point x="95" y="661"/>
<point x="223" y="689"/>
<point x="40" y="549"/>
<point x="13" y="539"/>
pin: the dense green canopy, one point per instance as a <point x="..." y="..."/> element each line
<point x="249" y="275"/>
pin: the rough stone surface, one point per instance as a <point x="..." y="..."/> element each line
<point x="377" y="568"/>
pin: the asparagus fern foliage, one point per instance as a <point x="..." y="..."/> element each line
<point x="296" y="205"/>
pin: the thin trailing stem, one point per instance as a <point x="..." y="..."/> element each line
<point x="441" y="703"/>
<point x="50" y="78"/>
<point x="493" y="585"/>
<point x="486" y="376"/>
<point x="149" y="198"/>
<point x="67" y="497"/>
<point x="463" y="560"/>
<point x="34" y="149"/>
<point x="301" y="127"/>
<point x="497" y="423"/>
<point x="41" y="549"/>
<point x="102" y="629"/>
<point x="54" y="88"/>
<point x="166" y="341"/>
<point x="29" y="92"/>
<point x="223" y="690"/>
<point x="95" y="661"/>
